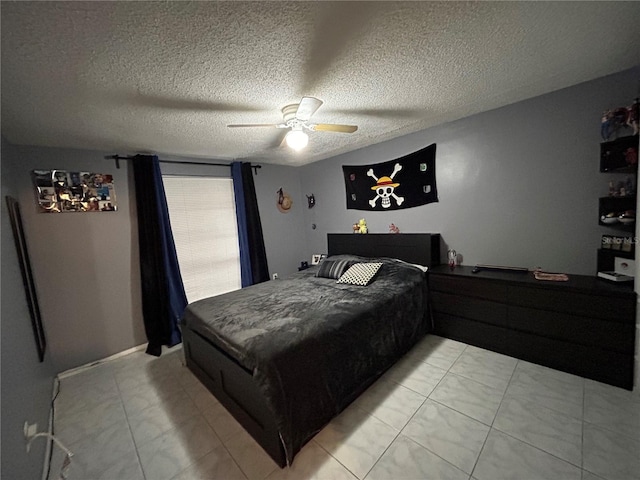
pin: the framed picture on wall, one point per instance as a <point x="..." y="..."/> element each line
<point x="65" y="191"/>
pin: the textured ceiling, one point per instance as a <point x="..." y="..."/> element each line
<point x="167" y="77"/>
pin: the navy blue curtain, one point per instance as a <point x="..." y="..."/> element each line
<point x="253" y="257"/>
<point x="163" y="297"/>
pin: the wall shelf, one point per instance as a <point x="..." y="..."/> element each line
<point x="614" y="155"/>
<point x="618" y="156"/>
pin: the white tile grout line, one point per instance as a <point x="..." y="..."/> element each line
<point x="530" y="444"/>
<point x="414" y="414"/>
<point x="495" y="416"/>
<point x="133" y="440"/>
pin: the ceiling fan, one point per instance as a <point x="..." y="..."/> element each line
<point x="296" y="117"/>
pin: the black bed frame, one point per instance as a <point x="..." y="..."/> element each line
<point x="233" y="385"/>
<point x="421" y="248"/>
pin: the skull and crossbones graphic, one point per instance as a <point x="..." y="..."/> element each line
<point x="385" y="187"/>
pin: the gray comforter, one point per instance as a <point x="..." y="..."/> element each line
<point x="314" y="345"/>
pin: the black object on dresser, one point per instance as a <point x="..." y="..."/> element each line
<point x="585" y="326"/>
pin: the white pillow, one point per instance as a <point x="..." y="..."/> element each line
<point x="424" y="268"/>
<point x="360" y="274"/>
<point x="421" y="267"/>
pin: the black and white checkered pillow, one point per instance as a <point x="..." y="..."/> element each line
<point x="360" y="274"/>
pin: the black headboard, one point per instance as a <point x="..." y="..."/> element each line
<point x="421" y="248"/>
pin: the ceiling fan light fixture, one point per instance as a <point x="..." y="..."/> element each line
<point x="297" y="139"/>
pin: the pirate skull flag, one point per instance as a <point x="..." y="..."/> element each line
<point x="406" y="182"/>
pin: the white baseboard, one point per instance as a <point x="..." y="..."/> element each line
<point x="83" y="368"/>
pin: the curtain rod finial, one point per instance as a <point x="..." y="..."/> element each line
<point x="115" y="157"/>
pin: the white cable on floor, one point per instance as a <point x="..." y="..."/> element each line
<point x="68" y="453"/>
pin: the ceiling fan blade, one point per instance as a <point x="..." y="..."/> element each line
<point x="339" y="26"/>
<point x="307" y="107"/>
<point x="279" y="141"/>
<point x="331" y="127"/>
<point x="384" y="113"/>
<point x="272" y="125"/>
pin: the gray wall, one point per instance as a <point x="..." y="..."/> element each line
<point x="518" y="185"/>
<point x="283" y="236"/>
<point x="87" y="265"/>
<point x="26" y="383"/>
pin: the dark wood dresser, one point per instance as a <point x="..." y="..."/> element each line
<point x="585" y="326"/>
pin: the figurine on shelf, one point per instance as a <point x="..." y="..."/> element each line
<point x="631" y="156"/>
<point x="363" y="226"/>
<point x="613" y="121"/>
<point x="605" y="126"/>
<point x="393" y="229"/>
<point x="452" y="257"/>
<point x="629" y="186"/>
<point x="620" y="116"/>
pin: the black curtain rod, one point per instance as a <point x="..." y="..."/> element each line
<point x="117" y="159"/>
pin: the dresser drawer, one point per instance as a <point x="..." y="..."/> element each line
<point x="606" y="366"/>
<point x="472" y="308"/>
<point x="578" y="304"/>
<point x="468" y="331"/>
<point x="570" y="328"/>
<point x="469" y="287"/>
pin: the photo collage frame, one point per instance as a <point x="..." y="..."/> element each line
<point x="66" y="191"/>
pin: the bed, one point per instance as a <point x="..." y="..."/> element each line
<point x="285" y="357"/>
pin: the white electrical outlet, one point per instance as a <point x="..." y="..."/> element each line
<point x="274" y="276"/>
<point x="30" y="429"/>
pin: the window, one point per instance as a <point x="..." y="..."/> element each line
<point x="203" y="220"/>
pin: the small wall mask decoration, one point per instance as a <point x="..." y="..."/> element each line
<point x="311" y="200"/>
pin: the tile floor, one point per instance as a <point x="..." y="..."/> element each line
<point x="445" y="411"/>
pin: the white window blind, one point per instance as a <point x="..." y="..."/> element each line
<point x="203" y="220"/>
